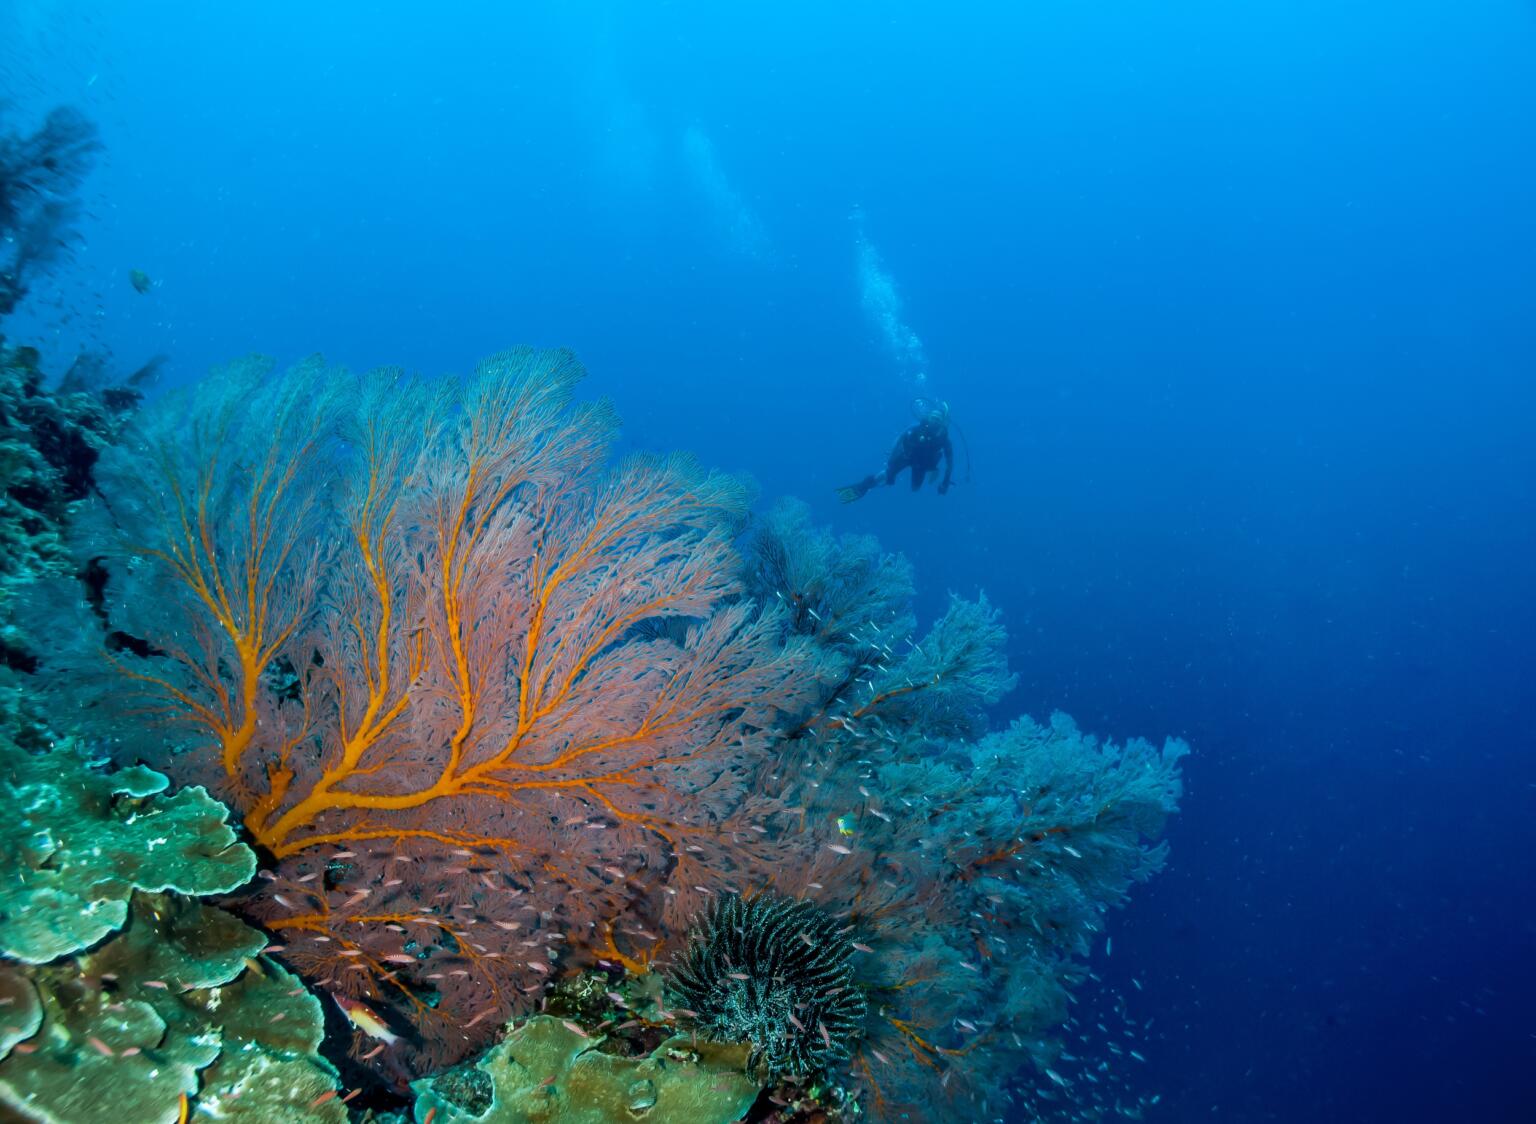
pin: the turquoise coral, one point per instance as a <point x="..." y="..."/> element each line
<point x="119" y="999"/>
<point x="78" y="841"/>
<point x="175" y="1005"/>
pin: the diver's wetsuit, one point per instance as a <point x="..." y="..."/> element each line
<point x="919" y="449"/>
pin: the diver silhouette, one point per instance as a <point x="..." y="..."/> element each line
<point x="919" y="449"/>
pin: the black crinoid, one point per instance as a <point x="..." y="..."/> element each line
<point x="776" y="972"/>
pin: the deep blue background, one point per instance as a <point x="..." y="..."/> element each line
<point x="1236" y="307"/>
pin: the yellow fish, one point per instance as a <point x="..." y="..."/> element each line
<point x="363" y="1017"/>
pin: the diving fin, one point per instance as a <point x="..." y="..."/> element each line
<point x="856" y="491"/>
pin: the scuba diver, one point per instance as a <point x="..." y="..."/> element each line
<point x="919" y="448"/>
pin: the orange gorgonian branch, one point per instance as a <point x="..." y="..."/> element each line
<point x="424" y="621"/>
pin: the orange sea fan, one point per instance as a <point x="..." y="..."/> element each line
<point x="411" y="626"/>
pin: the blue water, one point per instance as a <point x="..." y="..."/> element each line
<point x="1234" y="304"/>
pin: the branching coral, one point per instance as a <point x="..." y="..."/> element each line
<point x="843" y="592"/>
<point x="776" y="972"/>
<point x="854" y="604"/>
<point x="1023" y="841"/>
<point x="490" y="708"/>
<point x="407" y="628"/>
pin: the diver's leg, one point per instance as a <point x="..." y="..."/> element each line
<point x="858" y="491"/>
<point x="918" y="475"/>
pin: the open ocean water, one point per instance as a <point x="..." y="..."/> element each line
<point x="1233" y="308"/>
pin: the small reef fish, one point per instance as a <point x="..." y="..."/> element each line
<point x="845" y="824"/>
<point x="363" y="1017"/>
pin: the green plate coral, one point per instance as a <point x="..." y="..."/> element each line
<point x="546" y="1070"/>
<point x="78" y="842"/>
<point x="128" y="1001"/>
<point x="20" y="1012"/>
<point x="174" y="1005"/>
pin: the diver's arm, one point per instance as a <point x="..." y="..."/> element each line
<point x="949" y="465"/>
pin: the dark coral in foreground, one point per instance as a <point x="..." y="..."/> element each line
<point x="40" y="174"/>
<point x="776" y="972"/>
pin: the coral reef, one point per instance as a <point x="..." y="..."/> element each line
<point x="39" y="175"/>
<point x="498" y="716"/>
<point x="833" y="588"/>
<point x="413" y="642"/>
<point x="49" y="443"/>
<point x="775" y="972"/>
<point x="549" y="1069"/>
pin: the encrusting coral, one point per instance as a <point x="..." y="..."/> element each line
<point x="50" y="439"/>
<point x="176" y="1006"/>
